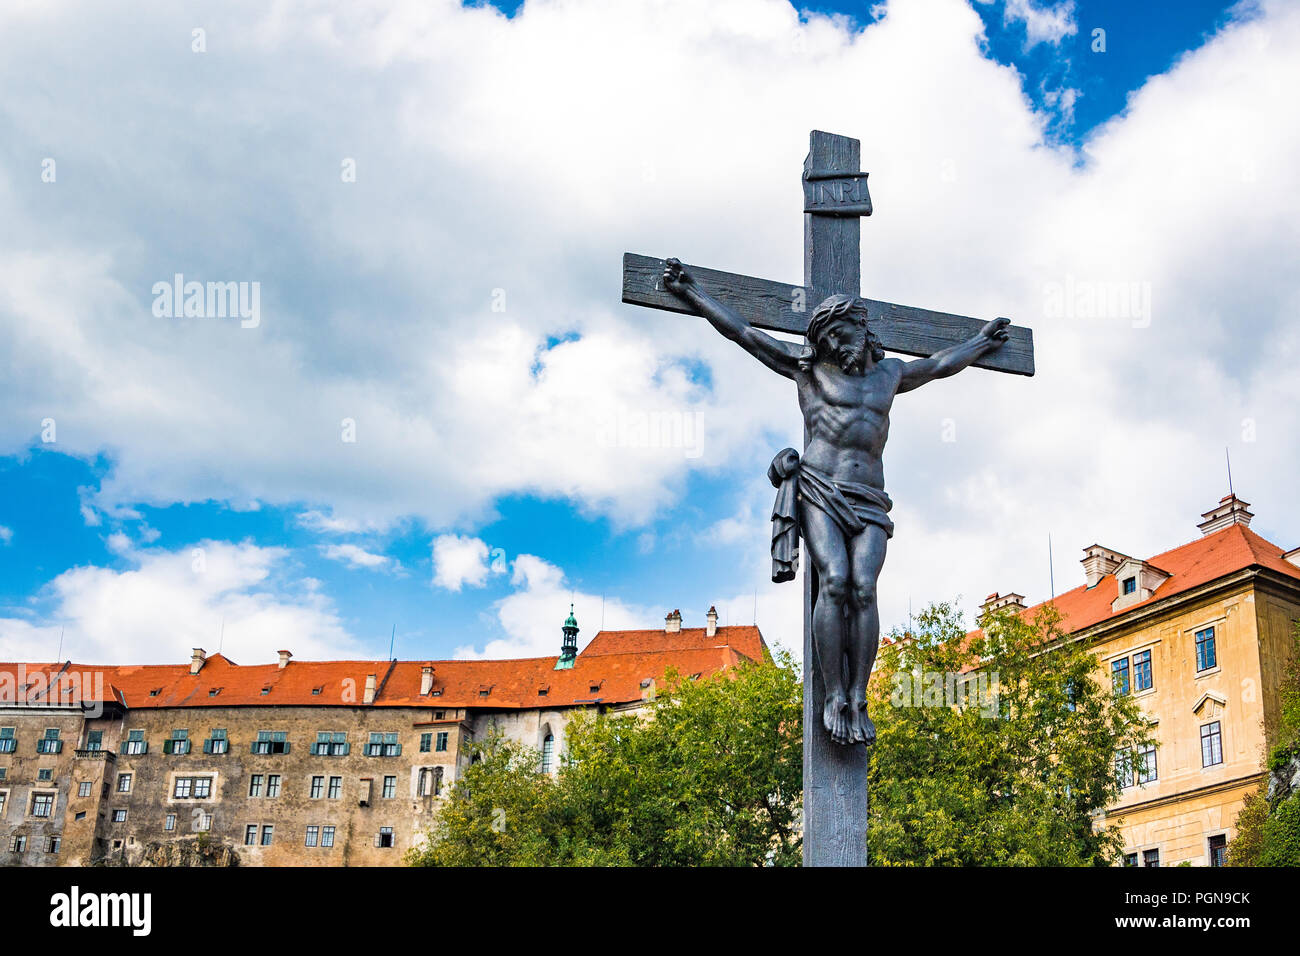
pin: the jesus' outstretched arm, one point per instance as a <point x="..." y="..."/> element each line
<point x="781" y="357"/>
<point x="950" y="361"/>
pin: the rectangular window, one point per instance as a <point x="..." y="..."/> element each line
<point x="1206" y="654"/>
<point x="1150" y="857"/>
<point x="442" y="741"/>
<point x="50" y="743"/>
<point x="94" y="740"/>
<point x="250" y="834"/>
<point x="45" y="773"/>
<point x="119" y="816"/>
<point x="123" y="783"/>
<point x="18" y="844"/>
<point x="1142" y="671"/>
<point x="1211" y="744"/>
<point x="203" y="824"/>
<point x="83" y="788"/>
<point x="1130" y="859"/>
<point x="383" y="745"/>
<point x="268" y="832"/>
<point x="271" y="742"/>
<point x="1219" y="850"/>
<point x="330" y="744"/>
<point x="273" y="785"/>
<point x="1124" y="768"/>
<point x="426" y="743"/>
<point x="317" y="787"/>
<point x="4" y="795"/>
<point x="7" y="741"/>
<point x="42" y="804"/>
<point x="1146" y="764"/>
<point x="52" y="844"/>
<point x="313" y="834"/>
<point x="255" y="785"/>
<point x="202" y="788"/>
<point x="135" y="743"/>
<point x="177" y="743"/>
<point x="4" y="772"/>
<point x="1119" y="675"/>
<point x="327" y="836"/>
<point x="336" y="787"/>
<point x="390" y="788"/>
<point x="217" y="742"/>
<point x="384" y="838"/>
<point x="1130" y="585"/>
<point x="184" y="786"/>
<point x="170" y="822"/>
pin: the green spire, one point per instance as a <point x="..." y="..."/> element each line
<point x="569" y="649"/>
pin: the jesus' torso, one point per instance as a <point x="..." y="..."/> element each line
<point x="847" y="419"/>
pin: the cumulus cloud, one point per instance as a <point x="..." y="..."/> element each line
<point x="240" y="597"/>
<point x="355" y="556"/>
<point x="531" y="616"/>
<point x="6" y="534"/>
<point x="1043" y="23"/>
<point x="457" y="303"/>
<point x="459" y="560"/>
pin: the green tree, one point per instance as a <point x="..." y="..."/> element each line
<point x="1017" y="776"/>
<point x="712" y="778"/>
<point x="1268" y="831"/>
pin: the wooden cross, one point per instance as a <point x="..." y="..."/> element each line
<point x="835" y="196"/>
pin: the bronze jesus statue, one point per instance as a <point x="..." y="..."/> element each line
<point x="836" y="494"/>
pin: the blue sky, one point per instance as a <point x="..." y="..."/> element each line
<point x="457" y="301"/>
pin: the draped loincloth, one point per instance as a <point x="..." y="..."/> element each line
<point x="851" y="505"/>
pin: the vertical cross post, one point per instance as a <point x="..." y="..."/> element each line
<point x="834" y="777"/>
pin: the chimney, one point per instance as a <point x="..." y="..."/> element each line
<point x="1231" y="510"/>
<point x="673" y="622"/>
<point x="1098" y="562"/>
<point x="996" y="601"/>
<point x="370" y="689"/>
<point x="284" y="658"/>
<point x="197" y="660"/>
<point x="711" y="622"/>
<point x="426" y="679"/>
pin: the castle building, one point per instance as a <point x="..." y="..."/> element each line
<point x="1201" y="636"/>
<point x="327" y="763"/>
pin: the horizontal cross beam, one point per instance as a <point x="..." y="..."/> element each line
<point x="779" y="307"/>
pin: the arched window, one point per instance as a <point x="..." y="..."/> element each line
<point x="548" y="752"/>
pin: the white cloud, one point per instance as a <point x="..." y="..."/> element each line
<point x="240" y="597"/>
<point x="460" y="560"/>
<point x="6" y="534"/>
<point x="318" y="521"/>
<point x="355" y="556"/>
<point x="488" y="159"/>
<point x="532" y="615"/>
<point x="1043" y="23"/>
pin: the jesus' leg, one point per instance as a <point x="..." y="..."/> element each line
<point x="826" y="544"/>
<point x="866" y="556"/>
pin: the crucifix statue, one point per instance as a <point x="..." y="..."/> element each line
<point x="834" y="494"/>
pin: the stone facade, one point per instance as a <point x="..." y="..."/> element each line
<point x="291" y="764"/>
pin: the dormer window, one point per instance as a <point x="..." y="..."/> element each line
<point x="1129" y="585"/>
<point x="214" y="691"/>
<point x="315" y="691"/>
<point x="155" y="692"/>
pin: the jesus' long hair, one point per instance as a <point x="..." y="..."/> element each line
<point x="835" y="308"/>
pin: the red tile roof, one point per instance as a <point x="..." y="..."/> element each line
<point x="611" y="675"/>
<point x="744" y="638"/>
<point x="1231" y="549"/>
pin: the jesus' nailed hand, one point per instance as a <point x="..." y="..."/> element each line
<point x="846" y="387"/>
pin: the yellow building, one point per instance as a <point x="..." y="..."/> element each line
<point x="1200" y="636"/>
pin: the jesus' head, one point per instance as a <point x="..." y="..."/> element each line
<point x="838" y="332"/>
